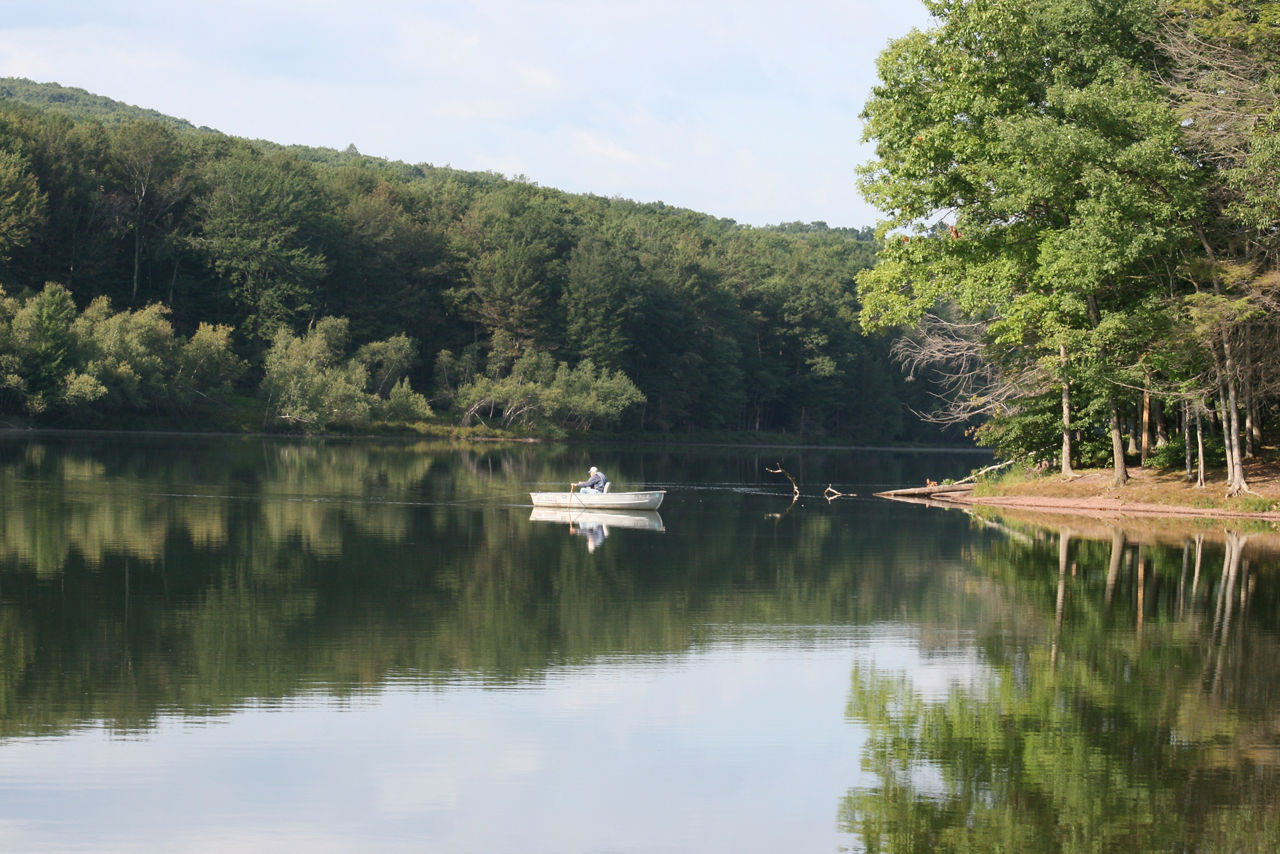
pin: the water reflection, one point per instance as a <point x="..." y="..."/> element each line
<point x="146" y="574"/>
<point x="593" y="525"/>
<point x="905" y="678"/>
<point x="1132" y="705"/>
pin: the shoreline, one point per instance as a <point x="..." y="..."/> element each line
<point x="1100" y="516"/>
<point x="1097" y="507"/>
<point x="1148" y="494"/>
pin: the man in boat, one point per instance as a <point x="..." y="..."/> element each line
<point x="594" y="483"/>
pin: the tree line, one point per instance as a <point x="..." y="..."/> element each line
<point x="1082" y="224"/>
<point x="323" y="283"/>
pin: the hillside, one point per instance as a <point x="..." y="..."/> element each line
<point x="494" y="293"/>
<point x="79" y="104"/>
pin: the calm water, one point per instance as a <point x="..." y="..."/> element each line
<point x="252" y="645"/>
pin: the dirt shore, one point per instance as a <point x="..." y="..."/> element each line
<point x="1152" y="505"/>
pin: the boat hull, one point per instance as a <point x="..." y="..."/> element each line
<point x="647" y="500"/>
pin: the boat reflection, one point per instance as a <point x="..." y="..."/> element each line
<point x="648" y="520"/>
<point x="594" y="525"/>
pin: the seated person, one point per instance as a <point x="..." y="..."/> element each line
<point x="595" y="481"/>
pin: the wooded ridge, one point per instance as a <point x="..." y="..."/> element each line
<point x="153" y="269"/>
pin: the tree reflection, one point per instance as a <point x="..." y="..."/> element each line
<point x="141" y="576"/>
<point x="1134" y="710"/>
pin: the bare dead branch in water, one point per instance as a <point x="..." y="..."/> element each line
<point x="832" y="494"/>
<point x="795" y="492"/>
<point x="795" y="489"/>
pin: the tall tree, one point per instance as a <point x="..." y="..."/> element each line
<point x="517" y="241"/>
<point x="602" y="295"/>
<point x="262" y="222"/>
<point x="1219" y="62"/>
<point x="21" y="203"/>
<point x="147" y="158"/>
<point x="1029" y="172"/>
<point x="75" y="245"/>
<point x="389" y="267"/>
<point x="46" y="347"/>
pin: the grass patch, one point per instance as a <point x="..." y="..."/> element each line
<point x="1007" y="481"/>
<point x="1258" y="504"/>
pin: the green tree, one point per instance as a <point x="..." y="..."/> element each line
<point x="387" y="361"/>
<point x="147" y="158"/>
<point x="719" y="325"/>
<point x="45" y="345"/>
<point x="402" y="405"/>
<point x="390" y="264"/>
<point x="516" y="242"/>
<point x="1030" y="173"/>
<point x="21" y="203"/>
<point x="1219" y="63"/>
<point x="307" y="383"/>
<point x="130" y="353"/>
<point x="310" y="383"/>
<point x="262" y="219"/>
<point x="207" y="367"/>
<point x="537" y="391"/>
<point x="601" y="298"/>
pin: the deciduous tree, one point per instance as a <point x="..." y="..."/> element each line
<point x="1030" y="175"/>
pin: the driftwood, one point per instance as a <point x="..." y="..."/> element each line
<point x="978" y="474"/>
<point x="830" y="493"/>
<point x="932" y="487"/>
<point x="795" y="491"/>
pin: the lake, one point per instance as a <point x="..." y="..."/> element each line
<point x="217" y="644"/>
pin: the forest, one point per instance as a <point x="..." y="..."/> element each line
<point x="1082" y="218"/>
<point x="1076" y="266"/>
<point x="156" y="273"/>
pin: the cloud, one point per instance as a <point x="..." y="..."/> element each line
<point x="595" y="147"/>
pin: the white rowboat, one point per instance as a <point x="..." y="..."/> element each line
<point x="647" y="500"/>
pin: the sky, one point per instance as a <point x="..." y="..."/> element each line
<point x="741" y="109"/>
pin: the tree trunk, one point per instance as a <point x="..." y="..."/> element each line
<point x="1186" y="438"/>
<point x="1228" y="381"/>
<point x="1224" y="422"/>
<point x="1250" y="403"/>
<point x="1199" y="450"/>
<point x="1146" y="426"/>
<point x="1067" y="471"/>
<point x="1121" y="474"/>
<point x="1238" y="484"/>
<point x="137" y="254"/>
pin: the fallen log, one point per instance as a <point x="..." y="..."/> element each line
<point x="926" y="490"/>
<point x="978" y="474"/>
